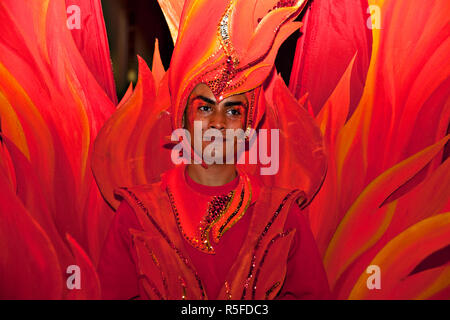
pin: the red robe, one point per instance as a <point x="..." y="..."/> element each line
<point x="121" y="269"/>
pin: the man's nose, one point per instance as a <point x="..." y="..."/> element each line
<point x="217" y="121"/>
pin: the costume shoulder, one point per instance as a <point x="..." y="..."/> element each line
<point x="138" y="194"/>
<point x="153" y="190"/>
<point x="296" y="195"/>
<point x="149" y="201"/>
<point x="150" y="204"/>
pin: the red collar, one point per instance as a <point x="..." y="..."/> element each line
<point x="185" y="181"/>
<point x="211" y="190"/>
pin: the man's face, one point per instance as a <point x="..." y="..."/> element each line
<point x="230" y="113"/>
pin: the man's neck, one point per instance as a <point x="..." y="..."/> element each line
<point x="214" y="175"/>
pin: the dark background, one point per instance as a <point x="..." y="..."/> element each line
<point x="133" y="26"/>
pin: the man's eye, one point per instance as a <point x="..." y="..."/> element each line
<point x="204" y="108"/>
<point x="234" y="112"/>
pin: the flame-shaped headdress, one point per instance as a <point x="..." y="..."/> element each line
<point x="231" y="46"/>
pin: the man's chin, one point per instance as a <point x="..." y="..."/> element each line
<point x="216" y="161"/>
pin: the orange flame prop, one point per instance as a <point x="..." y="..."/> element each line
<point x="385" y="197"/>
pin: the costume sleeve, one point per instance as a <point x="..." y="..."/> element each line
<point x="116" y="269"/>
<point x="305" y="275"/>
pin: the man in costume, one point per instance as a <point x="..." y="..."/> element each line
<point x="384" y="201"/>
<point x="215" y="232"/>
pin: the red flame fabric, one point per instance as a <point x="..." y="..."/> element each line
<point x="364" y="123"/>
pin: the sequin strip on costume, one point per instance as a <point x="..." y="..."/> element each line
<point x="169" y="242"/>
<point x="183" y="287"/>
<point x="227" y="290"/>
<point x="158" y="266"/>
<point x="268" y="292"/>
<point x="227" y="221"/>
<point x="152" y="286"/>
<point x="216" y="208"/>
<point x="219" y="83"/>
<point x="258" y="244"/>
<point x="281" y="4"/>
<point x="277" y="237"/>
<point x="223" y="83"/>
<point x="222" y="213"/>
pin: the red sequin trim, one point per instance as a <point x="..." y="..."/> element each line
<point x="259" y="241"/>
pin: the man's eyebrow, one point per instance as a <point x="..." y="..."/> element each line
<point x="205" y="99"/>
<point x="227" y="104"/>
<point x="235" y="103"/>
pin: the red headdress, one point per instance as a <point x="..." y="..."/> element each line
<point x="231" y="46"/>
